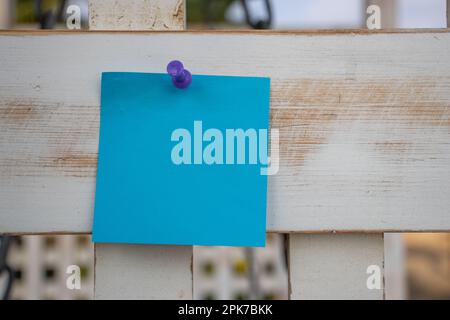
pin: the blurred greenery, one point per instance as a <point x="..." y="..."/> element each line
<point x="240" y="267"/>
<point x="25" y="9"/>
<point x="196" y="10"/>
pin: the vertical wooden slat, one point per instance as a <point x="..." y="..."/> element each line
<point x="143" y="272"/>
<point x="140" y="271"/>
<point x="448" y="13"/>
<point x="137" y="15"/>
<point x="334" y="266"/>
<point x="395" y="266"/>
<point x="6" y="11"/>
<point x="388" y="12"/>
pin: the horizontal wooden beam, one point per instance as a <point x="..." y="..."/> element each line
<point x="363" y="118"/>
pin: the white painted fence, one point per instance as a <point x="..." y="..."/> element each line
<point x="364" y="132"/>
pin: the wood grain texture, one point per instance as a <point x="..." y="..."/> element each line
<point x="363" y="118"/>
<point x="130" y="271"/>
<point x="143" y="272"/>
<point x="334" y="266"/>
<point x="137" y="15"/>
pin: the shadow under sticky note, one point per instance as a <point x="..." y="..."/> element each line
<point x="146" y="196"/>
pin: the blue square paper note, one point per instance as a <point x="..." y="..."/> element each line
<point x="182" y="166"/>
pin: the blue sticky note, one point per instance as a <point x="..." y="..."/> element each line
<point x="172" y="167"/>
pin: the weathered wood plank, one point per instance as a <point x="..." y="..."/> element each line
<point x="363" y="118"/>
<point x="143" y="272"/>
<point x="137" y="15"/>
<point x="334" y="266"/>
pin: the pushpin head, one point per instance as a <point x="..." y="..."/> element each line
<point x="181" y="77"/>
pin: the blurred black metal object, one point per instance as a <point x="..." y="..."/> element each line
<point x="5" y="242"/>
<point x="49" y="18"/>
<point x="253" y="280"/>
<point x="258" y="24"/>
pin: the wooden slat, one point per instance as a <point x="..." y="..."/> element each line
<point x="143" y="272"/>
<point x="396" y="285"/>
<point x="137" y="15"/>
<point x="6" y="14"/>
<point x="334" y="266"/>
<point x="363" y="118"/>
<point x="448" y="13"/>
<point x="388" y="10"/>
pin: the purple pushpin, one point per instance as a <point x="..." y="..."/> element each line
<point x="181" y="77"/>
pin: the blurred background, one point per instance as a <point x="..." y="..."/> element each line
<point x="417" y="266"/>
<point x="273" y="14"/>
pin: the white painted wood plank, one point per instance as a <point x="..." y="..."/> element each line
<point x="395" y="267"/>
<point x="334" y="266"/>
<point x="143" y="272"/>
<point x="137" y="15"/>
<point x="364" y="122"/>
